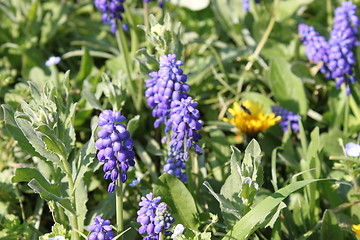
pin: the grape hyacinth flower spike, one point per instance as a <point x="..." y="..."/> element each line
<point x="112" y="12"/>
<point x="288" y="119"/>
<point x="154" y="216"/>
<point x="101" y="230"/>
<point x="115" y="147"/>
<point x="165" y="86"/>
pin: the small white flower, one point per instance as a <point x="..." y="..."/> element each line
<point x="352" y="149"/>
<point x="57" y="238"/>
<point x="135" y="182"/>
<point x="52" y="61"/>
<point x="179" y="229"/>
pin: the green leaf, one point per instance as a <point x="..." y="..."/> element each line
<point x="289" y="8"/>
<point x="178" y="197"/>
<point x="42" y="186"/>
<point x="288" y="89"/>
<point x="246" y="225"/>
<point x="90" y="96"/>
<point x="330" y="227"/>
<point x="16" y="132"/>
<point x="133" y="124"/>
<point x="32" y="137"/>
<point x="86" y="65"/>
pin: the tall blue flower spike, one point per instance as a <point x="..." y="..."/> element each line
<point x="112" y="11"/>
<point x="115" y="147"/>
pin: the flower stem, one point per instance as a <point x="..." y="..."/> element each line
<point x="119" y="206"/>
<point x="122" y="44"/>
<point x="161" y="236"/>
<point x="260" y="46"/>
<point x="73" y="217"/>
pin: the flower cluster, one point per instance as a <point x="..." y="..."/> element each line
<point x="165" y="86"/>
<point x="115" y="147"/>
<point x="154" y="217"/>
<point x="112" y="11"/>
<point x="356" y="229"/>
<point x="287" y="118"/>
<point x="352" y="149"/>
<point x="52" y="61"/>
<point x="167" y="95"/>
<point x="101" y="230"/>
<point x="337" y="54"/>
<point x="161" y="3"/>
<point x="249" y="118"/>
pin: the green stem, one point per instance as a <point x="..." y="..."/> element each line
<point x="147" y="25"/>
<point x="260" y="46"/>
<point x="119" y="206"/>
<point x="161" y="236"/>
<point x="329" y="14"/>
<point x="73" y="218"/>
<point x="122" y="44"/>
<point x="346" y="115"/>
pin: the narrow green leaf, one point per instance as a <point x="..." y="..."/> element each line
<point x="178" y="197"/>
<point x="86" y="65"/>
<point x="246" y="225"/>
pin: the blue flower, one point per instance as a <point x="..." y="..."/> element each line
<point x="101" y="230"/>
<point x="52" y="61"/>
<point x="57" y="238"/>
<point x="179" y="229"/>
<point x="115" y="147"/>
<point x="352" y="149"/>
<point x="135" y="182"/>
<point x="154" y="217"/>
<point x="112" y="11"/>
<point x="287" y="118"/>
<point x="246" y="4"/>
<point x="343" y="40"/>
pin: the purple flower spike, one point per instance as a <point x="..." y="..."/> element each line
<point x="287" y="118"/>
<point x="154" y="217"/>
<point x="112" y="11"/>
<point x="115" y="147"/>
<point x="167" y="95"/>
<point x="337" y="54"/>
<point x="101" y="230"/>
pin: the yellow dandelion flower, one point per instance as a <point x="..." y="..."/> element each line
<point x="249" y="118"/>
<point x="356" y="230"/>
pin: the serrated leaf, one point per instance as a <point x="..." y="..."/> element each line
<point x="36" y="141"/>
<point x="178" y="197"/>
